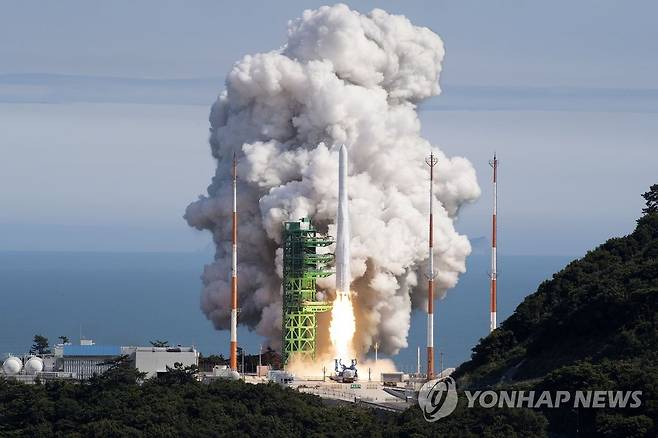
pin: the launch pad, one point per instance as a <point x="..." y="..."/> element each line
<point x="302" y="266"/>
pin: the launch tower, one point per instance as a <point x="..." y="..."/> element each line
<point x="302" y="266"/>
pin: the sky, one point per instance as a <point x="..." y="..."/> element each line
<point x="104" y="108"/>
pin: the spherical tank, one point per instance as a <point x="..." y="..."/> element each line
<point x="12" y="365"/>
<point x="34" y="365"/>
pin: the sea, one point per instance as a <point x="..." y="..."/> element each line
<point x="132" y="298"/>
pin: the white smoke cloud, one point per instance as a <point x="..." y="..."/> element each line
<point x="342" y="77"/>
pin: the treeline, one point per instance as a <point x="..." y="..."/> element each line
<point x="116" y="404"/>
<point x="122" y="403"/>
<point x="250" y="361"/>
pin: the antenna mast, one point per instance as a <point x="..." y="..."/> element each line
<point x="494" y="262"/>
<point x="234" y="273"/>
<point x="431" y="162"/>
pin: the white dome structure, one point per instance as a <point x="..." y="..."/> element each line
<point x="12" y="365"/>
<point x="34" y="365"/>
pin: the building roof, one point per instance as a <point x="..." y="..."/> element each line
<point x="177" y="349"/>
<point x="92" y="350"/>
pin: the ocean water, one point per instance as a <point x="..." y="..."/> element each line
<point x="132" y="298"/>
<point x="461" y="318"/>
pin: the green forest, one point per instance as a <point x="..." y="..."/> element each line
<point x="176" y="405"/>
<point x="592" y="326"/>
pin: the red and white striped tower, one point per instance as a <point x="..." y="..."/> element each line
<point x="234" y="273"/>
<point x="431" y="162"/>
<point x="494" y="262"/>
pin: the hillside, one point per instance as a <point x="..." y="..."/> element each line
<point x="592" y="326"/>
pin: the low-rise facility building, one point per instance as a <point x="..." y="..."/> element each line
<point x="88" y="359"/>
<point x="155" y="360"/>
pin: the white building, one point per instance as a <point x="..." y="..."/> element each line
<point x="87" y="359"/>
<point x="155" y="360"/>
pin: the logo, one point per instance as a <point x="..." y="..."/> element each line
<point x="555" y="399"/>
<point x="438" y="398"/>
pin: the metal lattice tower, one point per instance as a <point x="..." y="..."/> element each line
<point x="302" y="266"/>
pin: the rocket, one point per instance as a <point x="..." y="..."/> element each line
<point x="343" y="274"/>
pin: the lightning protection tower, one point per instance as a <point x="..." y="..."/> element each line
<point x="431" y="161"/>
<point x="494" y="260"/>
<point x="302" y="266"/>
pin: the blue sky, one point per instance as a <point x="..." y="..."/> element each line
<point x="586" y="43"/>
<point x="103" y="114"/>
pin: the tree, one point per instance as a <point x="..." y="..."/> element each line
<point x="206" y="363"/>
<point x="121" y="372"/>
<point x="40" y="345"/>
<point x="159" y="343"/>
<point x="272" y="358"/>
<point x="651" y="198"/>
<point x="178" y="374"/>
<point x="63" y="339"/>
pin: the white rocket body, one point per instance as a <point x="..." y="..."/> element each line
<point x="343" y="274"/>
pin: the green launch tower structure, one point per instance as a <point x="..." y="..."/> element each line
<point x="302" y="266"/>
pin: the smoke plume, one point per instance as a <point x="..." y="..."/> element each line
<point x="341" y="78"/>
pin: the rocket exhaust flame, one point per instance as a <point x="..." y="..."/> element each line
<point x="342" y="326"/>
